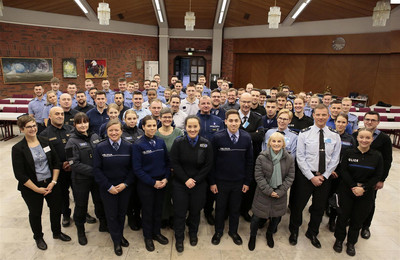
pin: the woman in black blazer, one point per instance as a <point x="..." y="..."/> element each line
<point x="36" y="167"/>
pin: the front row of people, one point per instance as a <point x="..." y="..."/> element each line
<point x="105" y="169"/>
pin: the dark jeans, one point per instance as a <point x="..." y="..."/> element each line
<point x="152" y="203"/>
<point x="304" y="189"/>
<point x="81" y="189"/>
<point x="115" y="207"/>
<point x="64" y="180"/>
<point x="228" y="198"/>
<point x="34" y="201"/>
<point x="185" y="200"/>
<point x="272" y="227"/>
<point x="354" y="208"/>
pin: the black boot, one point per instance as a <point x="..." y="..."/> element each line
<point x="252" y="243"/>
<point x="81" y="235"/>
<point x="270" y="239"/>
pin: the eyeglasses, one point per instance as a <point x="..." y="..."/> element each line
<point x="166" y="117"/>
<point x="30" y="127"/>
<point x="283" y="119"/>
<point x="370" y="120"/>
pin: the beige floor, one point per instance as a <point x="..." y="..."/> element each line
<point x="16" y="237"/>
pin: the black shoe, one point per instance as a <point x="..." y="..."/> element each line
<point x="293" y="238"/>
<point x="236" y="238"/>
<point x="160" y="239"/>
<point x="62" y="237"/>
<point x="338" y="246"/>
<point x="124" y="242"/>
<point x="332" y="225"/>
<point x="351" y="251"/>
<point x="270" y="240"/>
<point x="252" y="243"/>
<point x="90" y="219"/>
<point x="246" y="216"/>
<point x="193" y="240"/>
<point x="216" y="239"/>
<point x="66" y="221"/>
<point x="81" y="235"/>
<point x="365" y="233"/>
<point x="179" y="246"/>
<point x="103" y="226"/>
<point x="314" y="240"/>
<point x="210" y="219"/>
<point x="41" y="244"/>
<point x="118" y="249"/>
<point x="149" y="244"/>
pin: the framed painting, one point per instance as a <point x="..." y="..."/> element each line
<point x="26" y="70"/>
<point x="69" y="68"/>
<point x="95" y="69"/>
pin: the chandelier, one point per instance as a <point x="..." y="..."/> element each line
<point x="190" y="18"/>
<point x="381" y="13"/>
<point x="274" y="17"/>
<point x="103" y="13"/>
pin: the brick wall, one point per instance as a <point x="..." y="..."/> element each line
<point x="119" y="50"/>
<point x="228" y="60"/>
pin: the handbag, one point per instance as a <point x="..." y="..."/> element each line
<point x="334" y="202"/>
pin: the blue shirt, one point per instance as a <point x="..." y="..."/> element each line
<point x="46" y="110"/>
<point x="140" y="113"/>
<point x="36" y="107"/>
<point x="331" y="124"/>
<point x="308" y="111"/>
<point x="206" y="91"/>
<point x="74" y="102"/>
<point x="209" y="125"/>
<point x="290" y="140"/>
<point x="353" y="121"/>
<point x="128" y="99"/>
<point x="160" y="91"/>
<point x="88" y="97"/>
<point x="96" y="119"/>
<point x="110" y="96"/>
<point x="41" y="164"/>
<point x="307" y="154"/>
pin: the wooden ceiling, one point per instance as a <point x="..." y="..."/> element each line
<point x="240" y="12"/>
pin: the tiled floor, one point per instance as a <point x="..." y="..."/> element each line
<point x="16" y="237"/>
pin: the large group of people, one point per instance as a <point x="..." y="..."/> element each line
<point x="161" y="155"/>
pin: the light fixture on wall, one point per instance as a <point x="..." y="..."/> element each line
<point x="103" y="13"/>
<point x="300" y="9"/>
<point x="381" y="13"/>
<point x="81" y="6"/>
<point x="190" y="19"/>
<point x="139" y="62"/>
<point x="274" y="16"/>
<point x="1" y="7"/>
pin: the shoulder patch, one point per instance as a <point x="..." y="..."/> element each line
<point x="293" y="132"/>
<point x="305" y="129"/>
<point x="333" y="130"/>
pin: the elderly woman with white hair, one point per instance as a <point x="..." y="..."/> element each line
<point x="274" y="174"/>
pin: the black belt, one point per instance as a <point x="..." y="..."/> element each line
<point x="46" y="181"/>
<point x="315" y="173"/>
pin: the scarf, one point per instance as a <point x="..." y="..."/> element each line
<point x="276" y="178"/>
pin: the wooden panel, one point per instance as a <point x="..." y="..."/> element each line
<point x="67" y="7"/>
<point x="256" y="10"/>
<point x="204" y="12"/>
<point x="315" y="73"/>
<point x="138" y="11"/>
<point x="394" y="41"/>
<point x="387" y="86"/>
<point x="355" y="43"/>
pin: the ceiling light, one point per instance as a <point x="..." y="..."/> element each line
<point x="190" y="18"/>
<point x="79" y="3"/>
<point x="381" y="13"/>
<point x="158" y="8"/>
<point x="300" y="9"/>
<point x="103" y="13"/>
<point x="222" y="12"/>
<point x="274" y="17"/>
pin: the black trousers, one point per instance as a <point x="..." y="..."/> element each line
<point x="64" y="180"/>
<point x="185" y="200"/>
<point x="81" y="190"/>
<point x="355" y="209"/>
<point x="115" y="207"/>
<point x="228" y="199"/>
<point x="168" y="209"/>
<point x="368" y="220"/>
<point x="152" y="203"/>
<point x="34" y="201"/>
<point x="210" y="199"/>
<point x="303" y="190"/>
<point x="134" y="206"/>
<point x="334" y="188"/>
<point x="272" y="227"/>
<point x="248" y="197"/>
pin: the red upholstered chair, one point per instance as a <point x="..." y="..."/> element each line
<point x="397" y="118"/>
<point x="353" y="109"/>
<point x="21" y="102"/>
<point x="384" y="118"/>
<point x="395" y="110"/>
<point x="4" y="101"/>
<point x="380" y="110"/>
<point x="27" y="96"/>
<point x="364" y="109"/>
<point x="10" y="109"/>
<point x="360" y="118"/>
<point x="22" y="110"/>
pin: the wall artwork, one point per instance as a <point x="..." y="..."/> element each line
<point x="27" y="70"/>
<point x="95" y="69"/>
<point x="69" y="68"/>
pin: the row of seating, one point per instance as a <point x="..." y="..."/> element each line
<point x="15" y="109"/>
<point x="379" y="110"/>
<point x="7" y="101"/>
<point x="383" y="118"/>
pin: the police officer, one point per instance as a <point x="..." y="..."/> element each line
<point x="210" y="124"/>
<point x="58" y="134"/>
<point x="216" y="109"/>
<point x="318" y="150"/>
<point x="98" y="115"/>
<point x="269" y="120"/>
<point x="36" y="107"/>
<point x="353" y="119"/>
<point x="299" y="120"/>
<point x="69" y="113"/>
<point x="79" y="151"/>
<point x="284" y="117"/>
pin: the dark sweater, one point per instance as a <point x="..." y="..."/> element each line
<point x="234" y="162"/>
<point x="191" y="162"/>
<point x="361" y="168"/>
<point x="150" y="163"/>
<point x="131" y="134"/>
<point x="112" y="167"/>
<point x="298" y="124"/>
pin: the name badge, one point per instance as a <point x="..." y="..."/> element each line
<point x="328" y="140"/>
<point x="245" y="125"/>
<point x="83" y="144"/>
<point x="203" y="145"/>
<point x="53" y="138"/>
<point x="47" y="149"/>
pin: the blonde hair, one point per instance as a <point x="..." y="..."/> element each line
<point x="285" y="111"/>
<point x="277" y="135"/>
